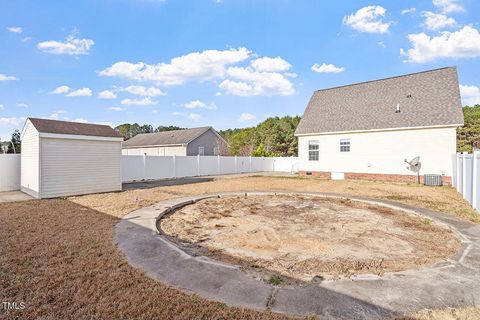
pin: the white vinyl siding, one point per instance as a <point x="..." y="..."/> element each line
<point x="29" y="176"/>
<point x="382" y="152"/>
<point x="74" y="167"/>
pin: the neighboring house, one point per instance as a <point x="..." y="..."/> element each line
<point x="204" y="141"/>
<point x="61" y="158"/>
<point x="367" y="130"/>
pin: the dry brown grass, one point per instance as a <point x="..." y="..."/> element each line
<point x="444" y="199"/>
<point x="449" y="314"/>
<point x="59" y="256"/>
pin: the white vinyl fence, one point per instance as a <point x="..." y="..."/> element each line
<point x="9" y="172"/>
<point x="466" y="176"/>
<point x="137" y="168"/>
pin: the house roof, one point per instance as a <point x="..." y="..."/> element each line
<point x="73" y="128"/>
<point x="164" y="138"/>
<point x="430" y="98"/>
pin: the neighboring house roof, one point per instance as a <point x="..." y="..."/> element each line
<point x="430" y="98"/>
<point x="73" y="128"/>
<point x="165" y="138"/>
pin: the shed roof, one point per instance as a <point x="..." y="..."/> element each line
<point x="164" y="138"/>
<point x="73" y="128"/>
<point x="429" y="98"/>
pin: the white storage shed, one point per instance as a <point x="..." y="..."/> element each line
<point x="61" y="158"/>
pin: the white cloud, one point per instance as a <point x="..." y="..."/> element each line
<point x="409" y="11"/>
<point x="116" y="109"/>
<point x="199" y="66"/>
<point x="26" y="39"/>
<point x="245" y="117"/>
<point x="15" y="29"/>
<point x="56" y="115"/>
<point x="144" y="91"/>
<point x="197" y="104"/>
<point x="327" y="68"/>
<point x="107" y="94"/>
<point x="193" y="116"/>
<point x="177" y="113"/>
<point x="470" y="95"/>
<point x="368" y="19"/>
<point x="61" y="90"/>
<point x="22" y="105"/>
<point x="139" y="102"/>
<point x="448" y="6"/>
<point x="267" y="64"/>
<point x="83" y="92"/>
<point x="12" y="121"/>
<point x="82" y="120"/>
<point x="248" y="82"/>
<point x="4" y="77"/>
<point x="2" y="107"/>
<point x="436" y="21"/>
<point x="71" y="46"/>
<point x="464" y="43"/>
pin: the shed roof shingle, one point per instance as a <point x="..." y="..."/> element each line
<point x="74" y="128"/>
<point x="174" y="137"/>
<point x="429" y="98"/>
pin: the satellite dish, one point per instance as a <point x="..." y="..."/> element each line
<point x="415" y="165"/>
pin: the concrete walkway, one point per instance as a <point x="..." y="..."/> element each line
<point x="13" y="196"/>
<point x="452" y="283"/>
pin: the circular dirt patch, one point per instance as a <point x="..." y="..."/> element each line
<point x="302" y="237"/>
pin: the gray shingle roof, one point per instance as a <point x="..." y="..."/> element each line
<point x="75" y="128"/>
<point x="164" y="138"/>
<point x="430" y="98"/>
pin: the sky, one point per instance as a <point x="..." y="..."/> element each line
<point x="224" y="63"/>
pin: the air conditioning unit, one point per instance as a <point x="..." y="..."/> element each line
<point x="433" y="180"/>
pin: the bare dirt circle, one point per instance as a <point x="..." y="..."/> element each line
<point x="300" y="237"/>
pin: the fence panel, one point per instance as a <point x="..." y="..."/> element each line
<point x="9" y="172"/>
<point x="209" y="165"/>
<point x="137" y="168"/>
<point x="159" y="167"/>
<point x="227" y="165"/>
<point x="468" y="178"/>
<point x="243" y="164"/>
<point x="186" y="166"/>
<point x="285" y="164"/>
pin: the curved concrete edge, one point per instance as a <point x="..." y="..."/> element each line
<point x="451" y="283"/>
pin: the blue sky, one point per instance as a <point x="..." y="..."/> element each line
<point x="225" y="63"/>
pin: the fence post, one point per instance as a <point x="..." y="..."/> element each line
<point x="464" y="174"/>
<point x="198" y="165"/>
<point x="250" y="164"/>
<point x="144" y="166"/>
<point x="457" y="184"/>
<point x="174" y="166"/>
<point x="218" y="165"/>
<point x="236" y="164"/>
<point x="474" y="178"/>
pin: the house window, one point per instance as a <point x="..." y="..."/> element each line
<point x="201" y="151"/>
<point x="344" y="145"/>
<point x="313" y="151"/>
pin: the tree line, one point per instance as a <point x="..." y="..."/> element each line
<point x="468" y="136"/>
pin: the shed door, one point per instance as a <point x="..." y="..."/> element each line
<point x="73" y="167"/>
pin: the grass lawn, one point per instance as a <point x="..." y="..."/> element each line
<point x="58" y="256"/>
